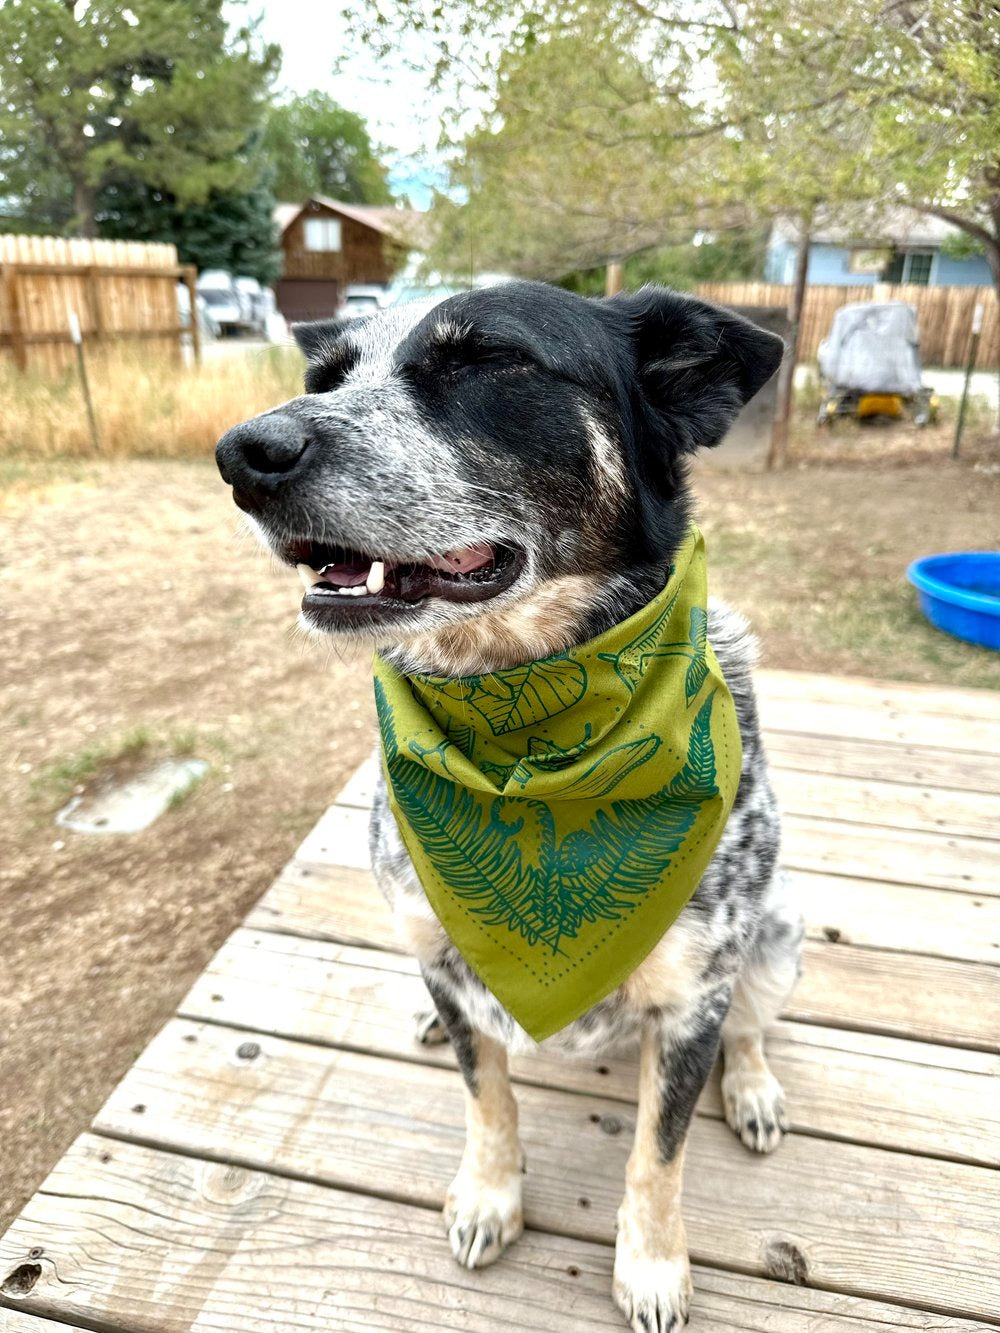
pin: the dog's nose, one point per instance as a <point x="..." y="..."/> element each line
<point x="259" y="456"/>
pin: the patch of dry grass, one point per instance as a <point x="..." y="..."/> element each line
<point x="146" y="406"/>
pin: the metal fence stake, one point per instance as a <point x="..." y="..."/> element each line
<point x="81" y="365"/>
<point x="977" y="328"/>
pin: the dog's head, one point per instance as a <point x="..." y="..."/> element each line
<point x="475" y="481"/>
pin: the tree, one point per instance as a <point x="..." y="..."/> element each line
<point x="235" y="232"/>
<point x="154" y="93"/>
<point x="316" y="146"/>
<point x="610" y="123"/>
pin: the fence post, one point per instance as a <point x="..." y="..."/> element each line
<point x="12" y="287"/>
<point x="76" y="338"/>
<point x="190" y="276"/>
<point x="92" y="283"/>
<point x="786" y="372"/>
<point x="970" y="365"/>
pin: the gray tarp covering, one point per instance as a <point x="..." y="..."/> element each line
<point x="873" y="348"/>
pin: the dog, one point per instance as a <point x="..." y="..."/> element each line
<point x="480" y="484"/>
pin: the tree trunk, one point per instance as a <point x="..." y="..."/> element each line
<point x="84" y="209"/>
<point x="786" y="375"/>
<point x="993" y="259"/>
<point x="614" y="277"/>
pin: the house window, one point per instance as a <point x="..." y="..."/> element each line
<point x="322" y="234"/>
<point x="910" y="266"/>
<point x="918" y="267"/>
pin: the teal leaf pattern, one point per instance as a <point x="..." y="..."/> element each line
<point x="612" y="768"/>
<point x="506" y="862"/>
<point x="697" y="671"/>
<point x="522" y="696"/>
<point x="632" y="661"/>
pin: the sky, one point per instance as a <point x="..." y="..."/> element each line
<point x="402" y="114"/>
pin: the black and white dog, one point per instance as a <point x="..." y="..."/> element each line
<point x="491" y="481"/>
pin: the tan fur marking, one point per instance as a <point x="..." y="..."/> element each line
<point x="492" y="1149"/>
<point x="537" y="626"/>
<point x="483" y="1211"/>
<point x="668" y="975"/>
<point x="419" y="932"/>
<point x="652" y="1271"/>
<point x="652" y="1187"/>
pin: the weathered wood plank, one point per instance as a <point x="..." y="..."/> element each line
<point x="326" y="902"/>
<point x="237" y="1251"/>
<point x="869" y="1089"/>
<point x="850" y="757"/>
<point x="906" y="856"/>
<point x="896" y="805"/>
<point x="304" y="896"/>
<point x="841" y="986"/>
<point x="891" y="696"/>
<point x="905" y="726"/>
<point x="899" y="917"/>
<point x="17" y="1321"/>
<point x="932" y="999"/>
<point x="363" y="1123"/>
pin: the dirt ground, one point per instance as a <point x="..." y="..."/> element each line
<point x="132" y="618"/>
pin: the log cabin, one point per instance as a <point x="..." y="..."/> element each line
<point x="327" y="246"/>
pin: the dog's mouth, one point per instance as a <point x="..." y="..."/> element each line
<point x="347" y="589"/>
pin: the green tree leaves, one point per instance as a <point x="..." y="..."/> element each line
<point x="316" y="146"/>
<point x="159" y="95"/>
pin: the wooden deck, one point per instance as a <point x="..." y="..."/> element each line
<point x="276" y="1158"/>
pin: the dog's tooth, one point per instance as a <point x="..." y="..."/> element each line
<point x="376" y="577"/>
<point x="308" y="576"/>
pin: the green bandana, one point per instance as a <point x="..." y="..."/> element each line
<point x="561" y="813"/>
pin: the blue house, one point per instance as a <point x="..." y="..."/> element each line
<point x="903" y="246"/>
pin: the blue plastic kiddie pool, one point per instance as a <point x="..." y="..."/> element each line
<point x="960" y="594"/>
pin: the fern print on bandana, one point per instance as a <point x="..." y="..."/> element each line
<point x="561" y="813"/>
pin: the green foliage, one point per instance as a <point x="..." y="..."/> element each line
<point x="157" y="95"/>
<point x="316" y="146"/>
<point x="729" y="257"/>
<point x="234" y="231"/>
<point x="612" y="130"/>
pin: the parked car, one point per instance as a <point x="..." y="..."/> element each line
<point x="362" y="299"/>
<point x="238" y="304"/>
<point x="207" y="322"/>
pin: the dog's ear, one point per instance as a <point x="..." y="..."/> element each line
<point x="316" y="338"/>
<point x="696" y="364"/>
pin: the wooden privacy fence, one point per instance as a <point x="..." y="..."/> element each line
<point x="944" y="314"/>
<point x="119" y="291"/>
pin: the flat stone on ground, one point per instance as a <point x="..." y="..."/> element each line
<point x="127" y="807"/>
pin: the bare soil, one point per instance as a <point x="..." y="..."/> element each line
<point x="134" y="622"/>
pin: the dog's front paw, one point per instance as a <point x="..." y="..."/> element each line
<point x="654" y="1295"/>
<point x="430" y="1031"/>
<point x="755" y="1108"/>
<point x="482" y="1220"/>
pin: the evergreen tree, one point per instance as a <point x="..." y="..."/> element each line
<point x="233" y="231"/>
<point x="153" y="93"/>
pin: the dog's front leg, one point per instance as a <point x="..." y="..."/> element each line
<point x="482" y="1209"/>
<point x="652" y="1282"/>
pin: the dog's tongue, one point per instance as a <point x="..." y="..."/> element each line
<point x="463" y="561"/>
<point x="354" y="573"/>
